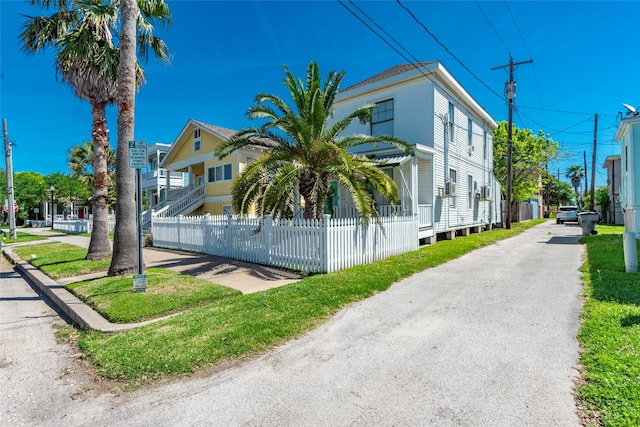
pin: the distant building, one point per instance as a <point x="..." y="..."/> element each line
<point x="628" y="134"/>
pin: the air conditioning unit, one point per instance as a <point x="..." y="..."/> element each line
<point x="485" y="193"/>
<point x="449" y="189"/>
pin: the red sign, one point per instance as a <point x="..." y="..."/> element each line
<point x="15" y="208"/>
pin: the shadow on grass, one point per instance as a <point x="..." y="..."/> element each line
<point x="630" y="321"/>
<point x="609" y="281"/>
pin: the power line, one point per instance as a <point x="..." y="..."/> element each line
<point x="448" y="51"/>
<point x="416" y="66"/>
<point x="492" y="27"/>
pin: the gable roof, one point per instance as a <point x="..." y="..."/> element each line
<point x="432" y="70"/>
<point x="393" y="71"/>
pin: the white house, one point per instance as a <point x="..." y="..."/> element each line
<point x="447" y="179"/>
<point x="156" y="180"/>
<point x="628" y="134"/>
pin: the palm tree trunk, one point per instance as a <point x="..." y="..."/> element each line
<point x="125" y="259"/>
<point x="99" y="246"/>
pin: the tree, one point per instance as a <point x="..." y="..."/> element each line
<point x="575" y="173"/>
<point x="531" y="154"/>
<point x="81" y="33"/>
<point x="30" y="190"/>
<point x="67" y="190"/>
<point x="132" y="12"/>
<point x="601" y="197"/>
<point x="305" y="154"/>
<point x="81" y="164"/>
<point x="560" y="193"/>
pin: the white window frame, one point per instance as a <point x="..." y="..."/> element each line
<point x="197" y="139"/>
<point x="453" y="177"/>
<point x="220" y="169"/>
<point x="470" y="132"/>
<point x="385" y="116"/>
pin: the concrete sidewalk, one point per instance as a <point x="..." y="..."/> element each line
<point x="243" y="276"/>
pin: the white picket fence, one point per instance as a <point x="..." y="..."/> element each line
<point x="315" y="246"/>
<point x="78" y="226"/>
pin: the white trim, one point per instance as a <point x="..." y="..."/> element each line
<point x="190" y="161"/>
<point x="217" y="199"/>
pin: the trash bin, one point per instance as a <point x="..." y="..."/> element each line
<point x="588" y="222"/>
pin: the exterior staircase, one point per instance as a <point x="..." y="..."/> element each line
<point x="179" y="202"/>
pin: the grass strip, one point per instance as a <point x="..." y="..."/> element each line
<point x="167" y="292"/>
<point x="59" y="260"/>
<point x="21" y="237"/>
<point x="244" y="325"/>
<point x="610" y="333"/>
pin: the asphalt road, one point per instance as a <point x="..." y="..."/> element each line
<point x="484" y="340"/>
<point x="37" y="374"/>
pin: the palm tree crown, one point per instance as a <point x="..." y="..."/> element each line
<point x="305" y="153"/>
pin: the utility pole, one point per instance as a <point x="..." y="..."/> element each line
<point x="593" y="161"/>
<point x="510" y="94"/>
<point x="7" y="153"/>
<point x="586" y="181"/>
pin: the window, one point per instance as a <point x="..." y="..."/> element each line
<point x="226" y="210"/>
<point x="453" y="177"/>
<point x="382" y="118"/>
<point x="470" y="133"/>
<point x="451" y="120"/>
<point x="219" y="173"/>
<point x="485" y="147"/>
<point x="470" y="192"/>
<point x="196" y="139"/>
<point x="626" y="156"/>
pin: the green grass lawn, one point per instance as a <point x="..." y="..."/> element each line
<point x="167" y="292"/>
<point x="243" y="325"/>
<point x="610" y="332"/>
<point x="59" y="260"/>
<point x="20" y="237"/>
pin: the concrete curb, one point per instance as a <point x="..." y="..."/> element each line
<point x="79" y="312"/>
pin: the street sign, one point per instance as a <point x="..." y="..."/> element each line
<point x="138" y="154"/>
<point x="15" y="208"/>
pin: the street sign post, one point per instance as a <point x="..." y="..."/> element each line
<point x="138" y="160"/>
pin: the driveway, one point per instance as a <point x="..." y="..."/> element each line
<point x="484" y="340"/>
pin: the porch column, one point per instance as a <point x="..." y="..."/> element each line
<point x="192" y="179"/>
<point x="415" y="185"/>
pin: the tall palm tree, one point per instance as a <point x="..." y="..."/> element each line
<point x="125" y="259"/>
<point x="575" y="173"/>
<point x="84" y="34"/>
<point x="305" y="154"/>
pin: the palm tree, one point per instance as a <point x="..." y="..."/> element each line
<point x="305" y="154"/>
<point x="125" y="259"/>
<point x="80" y="33"/>
<point x="83" y="34"/>
<point x="575" y="173"/>
<point x="81" y="164"/>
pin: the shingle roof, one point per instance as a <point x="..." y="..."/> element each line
<point x="227" y="133"/>
<point x="393" y="71"/>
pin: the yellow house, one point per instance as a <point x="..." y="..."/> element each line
<point x="209" y="179"/>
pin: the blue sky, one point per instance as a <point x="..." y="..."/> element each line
<point x="586" y="61"/>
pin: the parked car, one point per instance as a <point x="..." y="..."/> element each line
<point x="566" y="213"/>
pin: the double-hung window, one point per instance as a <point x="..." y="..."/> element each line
<point x="196" y="139"/>
<point x="470" y="134"/>
<point x="382" y="118"/>
<point x="219" y="173"/>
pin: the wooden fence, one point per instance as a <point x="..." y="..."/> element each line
<point x="315" y="246"/>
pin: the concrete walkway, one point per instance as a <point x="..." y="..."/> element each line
<point x="243" y="276"/>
